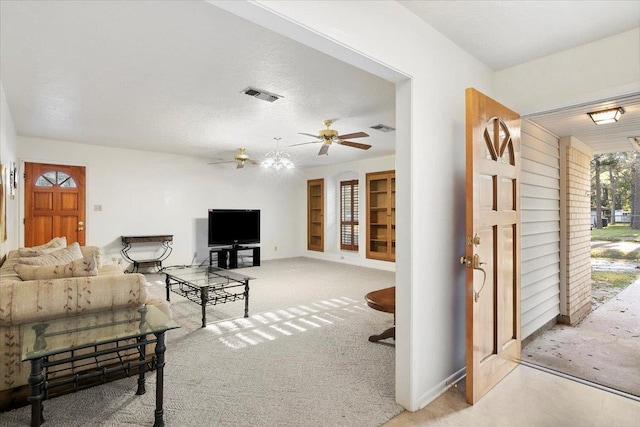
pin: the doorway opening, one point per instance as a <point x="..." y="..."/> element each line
<point x="594" y="335"/>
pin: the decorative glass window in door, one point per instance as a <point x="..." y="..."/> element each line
<point x="55" y="178"/>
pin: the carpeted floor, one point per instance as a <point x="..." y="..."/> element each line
<point x="302" y="358"/>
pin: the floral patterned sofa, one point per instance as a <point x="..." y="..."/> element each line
<point x="34" y="289"/>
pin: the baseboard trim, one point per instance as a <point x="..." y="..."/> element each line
<point x="440" y="388"/>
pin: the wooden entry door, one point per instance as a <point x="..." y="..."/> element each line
<point x="54" y="203"/>
<point x="492" y="255"/>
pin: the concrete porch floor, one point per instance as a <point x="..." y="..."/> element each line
<point x="603" y="348"/>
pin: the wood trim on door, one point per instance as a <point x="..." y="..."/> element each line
<point x="54" y="203"/>
<point x="492" y="255"/>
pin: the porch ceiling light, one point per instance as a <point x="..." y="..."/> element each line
<point x="610" y="115"/>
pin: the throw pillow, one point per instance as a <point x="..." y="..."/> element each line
<point x="64" y="255"/>
<point x="83" y="267"/>
<point x="52" y="245"/>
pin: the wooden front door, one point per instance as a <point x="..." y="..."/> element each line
<point x="492" y="255"/>
<point x="54" y="203"/>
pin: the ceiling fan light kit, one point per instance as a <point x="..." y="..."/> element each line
<point x="277" y="159"/>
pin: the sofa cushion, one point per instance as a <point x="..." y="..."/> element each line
<point x="64" y="255"/>
<point x="52" y="245"/>
<point x="82" y="267"/>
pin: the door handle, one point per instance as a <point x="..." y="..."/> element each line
<point x="80" y="226"/>
<point x="476" y="264"/>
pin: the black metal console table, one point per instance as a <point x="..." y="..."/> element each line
<point x="165" y="242"/>
<point x="113" y="337"/>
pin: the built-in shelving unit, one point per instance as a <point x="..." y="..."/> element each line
<point x="381" y="215"/>
<point x="315" y="215"/>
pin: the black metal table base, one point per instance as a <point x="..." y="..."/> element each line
<point x="40" y="386"/>
<point x="208" y="295"/>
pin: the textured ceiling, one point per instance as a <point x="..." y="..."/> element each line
<point x="504" y="33"/>
<point x="168" y="76"/>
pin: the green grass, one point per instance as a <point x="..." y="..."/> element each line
<point x="617" y="279"/>
<point x="615" y="254"/>
<point x="616" y="232"/>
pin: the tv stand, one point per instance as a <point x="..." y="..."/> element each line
<point x="228" y="257"/>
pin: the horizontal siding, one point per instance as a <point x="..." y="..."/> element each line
<point x="532" y="265"/>
<point x="539" y="240"/>
<point x="538" y="322"/>
<point x="540" y="215"/>
<point x="532" y="228"/>
<point x="538" y="204"/>
<point x="539" y="180"/>
<point x="539" y="309"/>
<point x="540" y="228"/>
<point x="544" y="170"/>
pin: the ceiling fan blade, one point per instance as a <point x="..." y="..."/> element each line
<point x="353" y="135"/>
<point x="310" y="134"/>
<point x="221" y="162"/>
<point x="304" y="143"/>
<point x="324" y="150"/>
<point x="355" y="145"/>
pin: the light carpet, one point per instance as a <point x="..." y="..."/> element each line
<point x="302" y="358"/>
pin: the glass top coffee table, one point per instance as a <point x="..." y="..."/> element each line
<point x="74" y="345"/>
<point x="209" y="286"/>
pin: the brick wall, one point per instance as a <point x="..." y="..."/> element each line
<point x="578" y="235"/>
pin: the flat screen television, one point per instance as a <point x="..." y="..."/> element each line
<point x="234" y="227"/>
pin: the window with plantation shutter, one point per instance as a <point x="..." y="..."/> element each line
<point x="349" y="215"/>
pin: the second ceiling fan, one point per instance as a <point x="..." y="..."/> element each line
<point x="241" y="158"/>
<point x="328" y="136"/>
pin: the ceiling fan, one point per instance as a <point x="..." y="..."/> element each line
<point x="328" y="136"/>
<point x="241" y="158"/>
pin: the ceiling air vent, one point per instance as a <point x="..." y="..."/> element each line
<point x="383" y="128"/>
<point x="261" y="94"/>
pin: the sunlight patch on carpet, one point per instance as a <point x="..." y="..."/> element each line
<point x="240" y="333"/>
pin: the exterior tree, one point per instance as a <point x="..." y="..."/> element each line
<point x="598" y="190"/>
<point x="635" y="207"/>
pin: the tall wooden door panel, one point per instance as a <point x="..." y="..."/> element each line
<point x="492" y="254"/>
<point x="54" y="203"/>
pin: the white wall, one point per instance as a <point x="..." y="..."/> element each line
<point x="144" y="193"/>
<point x="7" y="156"/>
<point x="431" y="75"/>
<point x="332" y="176"/>
<point x="603" y="69"/>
